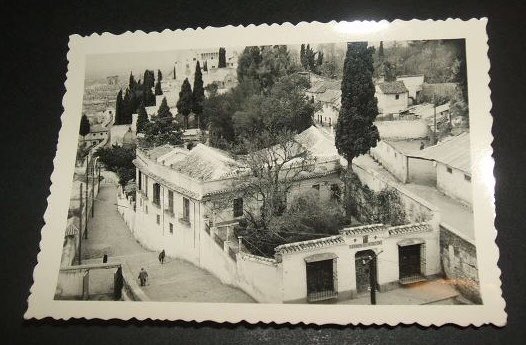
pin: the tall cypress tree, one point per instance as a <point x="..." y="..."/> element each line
<point x="381" y="54"/>
<point x="127" y="107"/>
<point x="84" y="126"/>
<point x="184" y="104"/>
<point x="198" y="93"/>
<point x="158" y="90"/>
<point x="159" y="76"/>
<point x="355" y="129"/>
<point x="205" y="67"/>
<point x="142" y="118"/>
<point x="175" y="74"/>
<point x="119" y="109"/>
<point x="302" y="56"/>
<point x="164" y="110"/>
<point x="222" y="58"/>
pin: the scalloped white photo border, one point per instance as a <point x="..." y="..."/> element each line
<point x="41" y="303"/>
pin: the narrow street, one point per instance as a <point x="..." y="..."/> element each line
<point x="175" y="280"/>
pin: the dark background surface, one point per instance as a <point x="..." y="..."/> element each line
<point x="34" y="46"/>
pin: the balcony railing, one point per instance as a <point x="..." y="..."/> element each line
<point x="321" y="295"/>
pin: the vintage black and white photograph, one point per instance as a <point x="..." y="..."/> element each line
<point x="334" y="173"/>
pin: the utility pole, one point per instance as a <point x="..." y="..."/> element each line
<point x="93" y="188"/>
<point x="373" y="283"/>
<point x="80" y="226"/>
<point x="372" y="278"/>
<point x="435" y="117"/>
<point x="86" y="194"/>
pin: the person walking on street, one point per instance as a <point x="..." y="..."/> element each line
<point x="161" y="257"/>
<point x="143" y="276"/>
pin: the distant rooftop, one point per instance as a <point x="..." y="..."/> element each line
<point x="392" y="87"/>
<point x="454" y="152"/>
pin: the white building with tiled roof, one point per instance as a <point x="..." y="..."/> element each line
<point x="453" y="166"/>
<point x="393" y="97"/>
<point x="178" y="189"/>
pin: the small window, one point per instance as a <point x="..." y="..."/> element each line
<point x="170" y="201"/>
<point x="157" y="194"/>
<point x="186" y="209"/>
<point x="397" y="96"/>
<point x="316" y="186"/>
<point x="449" y="170"/>
<point x="467" y="178"/>
<point x="171" y="229"/>
<point x="158" y="219"/>
<point x="366" y="239"/>
<point x="238" y="207"/>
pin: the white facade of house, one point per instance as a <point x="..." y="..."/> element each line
<point x="413" y="83"/>
<point x="391" y="103"/>
<point x="453" y="166"/>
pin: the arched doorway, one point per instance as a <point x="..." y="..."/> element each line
<point x="365" y="261"/>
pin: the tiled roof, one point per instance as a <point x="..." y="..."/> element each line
<point x="393" y="87"/>
<point x="322" y="85"/>
<point x="207" y="163"/>
<point x="311" y="244"/>
<point x="454" y="152"/>
<point x="159" y="151"/>
<point x="362" y="230"/>
<point x="409" y="228"/>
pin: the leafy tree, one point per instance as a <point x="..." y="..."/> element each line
<point x="355" y="129"/>
<point x="118" y="159"/>
<point x="84" y="126"/>
<point x="198" y="93"/>
<point x="285" y="108"/>
<point x="119" y="108"/>
<point x="217" y="117"/>
<point x="389" y="71"/>
<point x="142" y="118"/>
<point x="162" y="130"/>
<point x="319" y="59"/>
<point x="164" y="110"/>
<point x="185" y="102"/>
<point x="222" y="58"/>
<point x="212" y="89"/>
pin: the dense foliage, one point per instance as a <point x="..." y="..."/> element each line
<point x="118" y="159"/>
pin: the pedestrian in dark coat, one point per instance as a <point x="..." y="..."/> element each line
<point x="143" y="276"/>
<point x="161" y="257"/>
